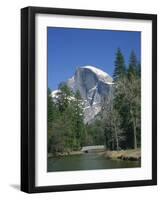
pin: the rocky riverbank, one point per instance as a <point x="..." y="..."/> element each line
<point x="131" y="154"/>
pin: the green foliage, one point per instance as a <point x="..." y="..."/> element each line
<point x="112" y="124"/>
<point x="63" y="98"/>
<point x="67" y="129"/>
<point x="78" y="123"/>
<point x="50" y="109"/>
<point x="133" y="65"/>
<point x="129" y="107"/>
<point x="95" y="134"/>
<point x="119" y="123"/>
<point x="139" y="69"/>
<point x="121" y="113"/>
<point x="120" y="68"/>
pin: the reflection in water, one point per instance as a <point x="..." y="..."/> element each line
<point x="86" y="162"/>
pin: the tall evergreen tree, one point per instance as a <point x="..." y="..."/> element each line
<point x="133" y="65"/>
<point x="132" y="97"/>
<point x="50" y="109"/>
<point x="68" y="127"/>
<point x="77" y="121"/>
<point x="120" y="68"/>
<point x="120" y="76"/>
<point x="63" y="97"/>
<point x="112" y="125"/>
<point x="127" y="101"/>
<point x="52" y="115"/>
<point x="139" y="70"/>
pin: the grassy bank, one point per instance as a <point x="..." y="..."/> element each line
<point x="130" y="154"/>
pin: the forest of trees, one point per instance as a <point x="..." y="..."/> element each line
<point x="66" y="129"/>
<point x="119" y="123"/>
<point x="122" y="110"/>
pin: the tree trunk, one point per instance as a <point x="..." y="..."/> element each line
<point x="135" y="139"/>
<point x="117" y="141"/>
<point x="113" y="145"/>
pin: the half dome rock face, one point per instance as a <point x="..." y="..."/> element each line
<point x="94" y="86"/>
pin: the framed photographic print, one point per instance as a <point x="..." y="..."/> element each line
<point x="88" y="99"/>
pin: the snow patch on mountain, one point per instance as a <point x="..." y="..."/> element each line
<point x="100" y="73"/>
<point x="54" y="93"/>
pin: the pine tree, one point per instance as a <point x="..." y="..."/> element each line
<point x="128" y="100"/>
<point x="139" y="69"/>
<point x="120" y="68"/>
<point x="120" y="77"/>
<point x="51" y="114"/>
<point x="112" y="125"/>
<point x="69" y="123"/>
<point x="133" y="99"/>
<point x="50" y="109"/>
<point x="63" y="97"/>
<point x="78" y="123"/>
<point x="133" y="65"/>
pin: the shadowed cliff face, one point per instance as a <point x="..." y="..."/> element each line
<point x="94" y="86"/>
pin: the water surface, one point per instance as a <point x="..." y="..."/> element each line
<point x="87" y="161"/>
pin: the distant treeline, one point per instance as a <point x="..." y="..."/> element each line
<point x="118" y="125"/>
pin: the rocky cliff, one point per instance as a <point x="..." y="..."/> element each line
<point x="94" y="86"/>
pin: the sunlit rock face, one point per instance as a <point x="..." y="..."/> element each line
<point x="94" y="86"/>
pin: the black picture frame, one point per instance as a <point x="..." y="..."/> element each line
<point x="28" y="98"/>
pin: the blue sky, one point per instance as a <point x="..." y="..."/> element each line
<point x="70" y="48"/>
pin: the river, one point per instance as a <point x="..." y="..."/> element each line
<point x="87" y="161"/>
